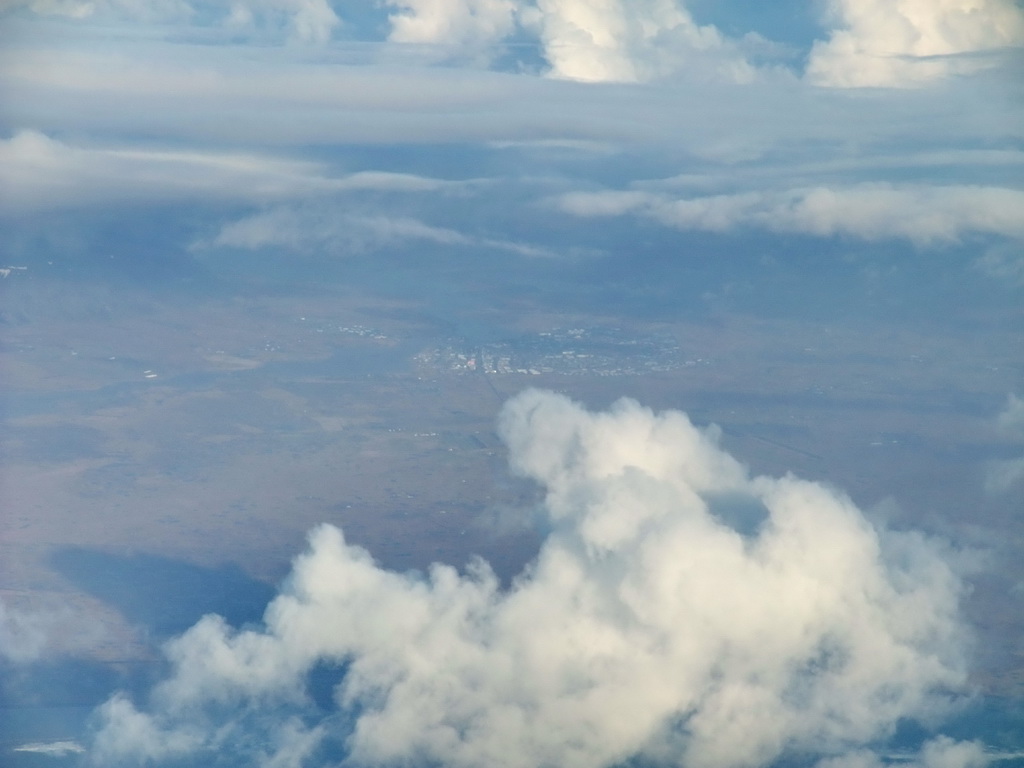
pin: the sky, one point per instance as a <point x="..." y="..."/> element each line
<point x="839" y="178"/>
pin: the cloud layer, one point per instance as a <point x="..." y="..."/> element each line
<point x="300" y="21"/>
<point x="923" y="214"/>
<point x="678" y="609"/>
<point x="44" y="173"/>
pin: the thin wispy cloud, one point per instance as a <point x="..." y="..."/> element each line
<point x="1003" y="475"/>
<point x="35" y="630"/>
<point x="24" y="636"/>
<point x="44" y="173"/>
<point x="330" y="230"/>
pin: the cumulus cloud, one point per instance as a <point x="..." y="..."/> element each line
<point x="473" y="25"/>
<point x="923" y="214"/>
<point x="609" y="41"/>
<point x="871" y="43"/>
<point x="679" y="609"/>
<point x="622" y="41"/>
<point x="885" y="43"/>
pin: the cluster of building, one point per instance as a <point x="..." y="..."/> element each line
<point x="575" y="351"/>
<point x="351" y="330"/>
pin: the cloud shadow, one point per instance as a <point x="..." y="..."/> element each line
<point x="163" y="595"/>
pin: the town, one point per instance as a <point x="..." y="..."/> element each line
<point x="574" y="351"/>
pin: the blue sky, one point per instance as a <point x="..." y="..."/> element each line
<point x="847" y="170"/>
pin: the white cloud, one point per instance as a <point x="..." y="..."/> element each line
<point x="871" y="43"/>
<point x="1011" y="418"/>
<point x="941" y="752"/>
<point x="885" y="43"/>
<point x="23" y="635"/>
<point x="304" y="21"/>
<point x="453" y="24"/>
<point x="607" y="41"/>
<point x="607" y="203"/>
<point x="647" y="625"/>
<point x="40" y="172"/>
<point x="1002" y="475"/>
<point x="1003" y="262"/>
<point x="618" y="41"/>
<point x="96" y="84"/>
<point x="136" y="734"/>
<point x="922" y="214"/>
<point x="45" y="625"/>
<point x="135" y="10"/>
<point x="326" y="229"/>
<point x="323" y="229"/>
<point x="52" y="749"/>
<point x="37" y="172"/>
